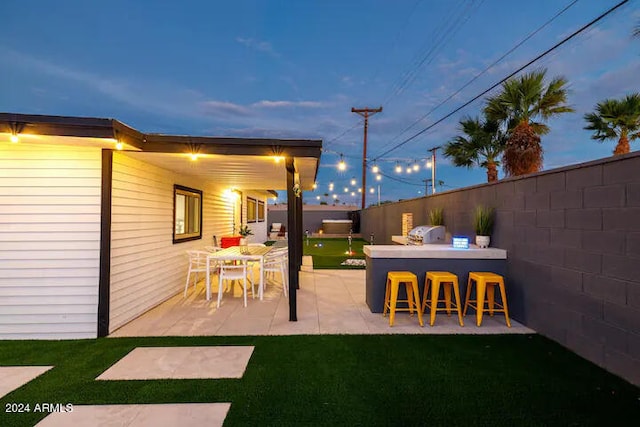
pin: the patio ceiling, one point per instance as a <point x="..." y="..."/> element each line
<point x="237" y="171"/>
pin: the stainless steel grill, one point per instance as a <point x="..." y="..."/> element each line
<point x="425" y="234"/>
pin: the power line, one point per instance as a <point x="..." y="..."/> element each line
<point x="488" y="68"/>
<point x="442" y="36"/>
<point x="546" y="52"/>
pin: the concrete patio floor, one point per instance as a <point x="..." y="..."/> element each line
<point x="329" y="302"/>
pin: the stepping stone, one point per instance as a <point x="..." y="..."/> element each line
<point x="152" y="363"/>
<point x="14" y="377"/>
<point x="178" y="414"/>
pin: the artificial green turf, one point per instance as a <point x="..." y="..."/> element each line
<point x="373" y="380"/>
<point x="330" y="253"/>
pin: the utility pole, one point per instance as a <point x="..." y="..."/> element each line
<point x="366" y="113"/>
<point x="433" y="169"/>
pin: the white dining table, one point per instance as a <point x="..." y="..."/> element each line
<point x="247" y="253"/>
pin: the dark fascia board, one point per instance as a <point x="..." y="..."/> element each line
<point x="156" y="143"/>
<point x="88" y="127"/>
<point x="232" y="146"/>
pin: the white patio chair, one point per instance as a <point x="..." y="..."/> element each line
<point x="276" y="261"/>
<point x="233" y="271"/>
<point x="197" y="264"/>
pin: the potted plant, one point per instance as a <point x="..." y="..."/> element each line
<point x="244" y="232"/>
<point x="483" y="224"/>
<point x="436" y="217"/>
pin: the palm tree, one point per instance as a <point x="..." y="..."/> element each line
<point x="523" y="105"/>
<point x="483" y="144"/>
<point x="616" y="118"/>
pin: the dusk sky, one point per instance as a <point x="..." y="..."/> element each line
<point x="294" y="69"/>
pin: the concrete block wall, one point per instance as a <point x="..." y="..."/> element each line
<point x="573" y="241"/>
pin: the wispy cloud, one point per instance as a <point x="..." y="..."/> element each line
<point x="225" y="108"/>
<point x="288" y="104"/>
<point x="258" y="45"/>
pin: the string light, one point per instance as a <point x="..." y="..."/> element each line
<point x="429" y="164"/>
<point x="372" y="190"/>
<point x="353" y="181"/>
<point x="346" y="190"/>
<point x="398" y="167"/>
<point x="341" y="164"/>
<point x="315" y="185"/>
<point x="375" y="168"/>
<point x="353" y="193"/>
<point x="378" y="177"/>
<point x="359" y="190"/>
<point x="335" y="196"/>
<point x="416" y="167"/>
<point x="317" y="197"/>
<point x="408" y="169"/>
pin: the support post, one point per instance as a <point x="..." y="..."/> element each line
<point x="104" y="281"/>
<point x="291" y="241"/>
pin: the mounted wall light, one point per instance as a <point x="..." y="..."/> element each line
<point x="194" y="156"/>
<point x="16" y="129"/>
<point x="315" y="185"/>
<point x="278" y="159"/>
<point x="119" y="145"/>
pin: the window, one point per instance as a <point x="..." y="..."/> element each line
<point x="260" y="211"/>
<point x="251" y="209"/>
<point x="187" y="218"/>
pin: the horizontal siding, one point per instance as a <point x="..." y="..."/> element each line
<point x="49" y="241"/>
<point x="146" y="266"/>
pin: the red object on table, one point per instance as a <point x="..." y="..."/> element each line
<point x="227" y="242"/>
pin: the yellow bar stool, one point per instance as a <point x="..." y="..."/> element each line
<point x="485" y="291"/>
<point x="410" y="280"/>
<point x="448" y="281"/>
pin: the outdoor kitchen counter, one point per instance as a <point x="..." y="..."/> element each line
<point x="420" y="259"/>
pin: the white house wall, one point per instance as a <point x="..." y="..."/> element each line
<point x="146" y="266"/>
<point x="49" y="241"/>
<point x="259" y="229"/>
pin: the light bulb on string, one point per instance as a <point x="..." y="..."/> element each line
<point x="398" y="168"/>
<point x="375" y="168"/>
<point x="341" y="164"/>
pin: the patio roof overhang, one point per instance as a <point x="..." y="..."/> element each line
<point x="244" y="163"/>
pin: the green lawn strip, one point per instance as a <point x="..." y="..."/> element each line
<point x="371" y="380"/>
<point x="330" y="253"/>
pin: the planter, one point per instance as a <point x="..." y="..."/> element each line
<point x="243" y="241"/>
<point x="483" y="241"/>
